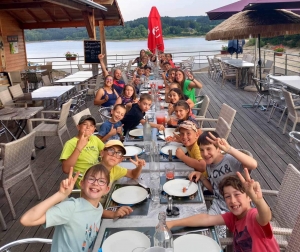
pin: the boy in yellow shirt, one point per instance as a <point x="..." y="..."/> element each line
<point x="188" y="134"/>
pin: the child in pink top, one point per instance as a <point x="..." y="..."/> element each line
<point x="251" y="229"/>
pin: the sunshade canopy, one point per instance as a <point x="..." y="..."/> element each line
<point x="269" y="23"/>
<point x="227" y="11"/>
<point x="155" y="36"/>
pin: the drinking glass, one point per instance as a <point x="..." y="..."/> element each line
<point x="155" y="189"/>
<point x="170" y="171"/>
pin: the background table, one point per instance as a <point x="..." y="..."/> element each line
<point x="292" y="81"/>
<point x="20" y="116"/>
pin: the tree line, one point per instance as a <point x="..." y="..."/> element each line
<point x="136" y="29"/>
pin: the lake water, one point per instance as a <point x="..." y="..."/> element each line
<point x="59" y="48"/>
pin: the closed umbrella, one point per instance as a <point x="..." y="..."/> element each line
<point x="155" y="36"/>
<point x="257" y="23"/>
<point x="236" y="46"/>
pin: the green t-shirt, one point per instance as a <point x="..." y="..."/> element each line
<point x="189" y="92"/>
<point x="88" y="157"/>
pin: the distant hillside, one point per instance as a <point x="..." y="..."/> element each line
<point x="136" y="29"/>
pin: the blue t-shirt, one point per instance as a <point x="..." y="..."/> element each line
<point x="105" y="128"/>
<point x="132" y="118"/>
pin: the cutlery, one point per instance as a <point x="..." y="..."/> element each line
<point x="164" y="134"/>
<point x="184" y="189"/>
<point x="192" y="231"/>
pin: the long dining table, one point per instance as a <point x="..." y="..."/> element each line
<point x="144" y="217"/>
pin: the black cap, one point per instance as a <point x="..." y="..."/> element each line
<point x="87" y="117"/>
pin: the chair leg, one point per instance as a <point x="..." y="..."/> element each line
<point x="283" y="112"/>
<point x="35" y="186"/>
<point x="258" y="103"/>
<point x="284" y="128"/>
<point x="2" y="222"/>
<point x="271" y="113"/>
<point x="44" y="139"/>
<point x="62" y="144"/>
<point x="11" y="206"/>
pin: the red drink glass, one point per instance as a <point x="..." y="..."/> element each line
<point x="170" y="171"/>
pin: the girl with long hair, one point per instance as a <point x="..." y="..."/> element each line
<point x="106" y="96"/>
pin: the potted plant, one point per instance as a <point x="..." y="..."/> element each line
<point x="279" y="50"/>
<point x="224" y="49"/>
<point x="70" y="56"/>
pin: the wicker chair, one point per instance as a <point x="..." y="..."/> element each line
<point x="77" y="117"/>
<point x="285" y="212"/>
<point x="7" y="100"/>
<point x="293" y="111"/>
<point x="222" y="128"/>
<point x="202" y="107"/>
<point x="52" y="127"/>
<point x="226" y="112"/>
<point x="16" y="166"/>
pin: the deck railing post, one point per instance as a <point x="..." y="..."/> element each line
<point x="285" y="63"/>
<point x="274" y="63"/>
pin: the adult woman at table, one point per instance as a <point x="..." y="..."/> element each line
<point x="106" y="96"/>
<point x="187" y="85"/>
<point x="138" y="60"/>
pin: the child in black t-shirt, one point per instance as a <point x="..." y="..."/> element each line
<point x="136" y="114"/>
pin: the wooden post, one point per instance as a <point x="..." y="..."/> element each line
<point x="103" y="40"/>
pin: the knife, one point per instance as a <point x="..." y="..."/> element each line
<point x="164" y="134"/>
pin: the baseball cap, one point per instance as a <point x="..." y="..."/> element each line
<point x="188" y="125"/>
<point x="87" y="117"/>
<point x="115" y="143"/>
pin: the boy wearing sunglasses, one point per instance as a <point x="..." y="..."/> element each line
<point x="112" y="156"/>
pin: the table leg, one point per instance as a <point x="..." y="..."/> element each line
<point x="4" y="126"/>
<point x="21" y="128"/>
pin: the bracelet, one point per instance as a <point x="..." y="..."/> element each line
<point x="193" y="79"/>
<point x="78" y="149"/>
<point x="228" y="149"/>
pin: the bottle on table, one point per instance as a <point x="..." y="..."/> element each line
<point x="163" y="236"/>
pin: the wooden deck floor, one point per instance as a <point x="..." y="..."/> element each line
<point x="250" y="131"/>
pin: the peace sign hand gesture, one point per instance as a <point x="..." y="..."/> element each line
<point x="67" y="185"/>
<point x="251" y="187"/>
<point x="220" y="142"/>
<point x="139" y="163"/>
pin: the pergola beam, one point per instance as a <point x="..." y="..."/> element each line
<point x="68" y="4"/>
<point x="67" y="13"/>
<point x="64" y="24"/>
<point x="88" y="19"/>
<point x="33" y="15"/>
<point x="50" y="14"/>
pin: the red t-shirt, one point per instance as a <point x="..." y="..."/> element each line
<point x="248" y="235"/>
<point x="172" y="63"/>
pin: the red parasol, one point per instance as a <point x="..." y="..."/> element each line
<point x="155" y="37"/>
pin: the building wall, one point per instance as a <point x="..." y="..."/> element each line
<point x="12" y="62"/>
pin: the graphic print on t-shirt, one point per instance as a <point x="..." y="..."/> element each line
<point x="91" y="233"/>
<point x="242" y="241"/>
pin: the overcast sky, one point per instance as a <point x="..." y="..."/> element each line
<point x="133" y="9"/>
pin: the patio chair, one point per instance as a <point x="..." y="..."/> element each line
<point x="293" y="111"/>
<point x="16" y="166"/>
<point x="210" y="69"/>
<point x="18" y="94"/>
<point x="295" y="135"/>
<point x="260" y="93"/>
<point x="285" y="213"/>
<point x="52" y="127"/>
<point x="10" y="245"/>
<point x="80" y="67"/>
<point x="32" y="81"/>
<point x="104" y="113"/>
<point x="7" y="100"/>
<point x="228" y="73"/>
<point x="77" y="117"/>
<point x="222" y="128"/>
<point x="202" y="107"/>
<point x="278" y="102"/>
<point x="15" y="78"/>
<point x="226" y="112"/>
<point x="265" y="71"/>
<point x="46" y="81"/>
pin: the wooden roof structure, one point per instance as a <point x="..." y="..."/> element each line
<point x="43" y="14"/>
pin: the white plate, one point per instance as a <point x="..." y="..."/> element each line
<point x="145" y="92"/>
<point x="165" y="149"/>
<point x="162" y="91"/>
<point x="136" y="132"/>
<point x="125" y="241"/>
<point x="162" y="97"/>
<point x="174" y="187"/>
<point x="131" y="151"/>
<point x="168" y="131"/>
<point x="128" y="195"/>
<point x="195" y="243"/>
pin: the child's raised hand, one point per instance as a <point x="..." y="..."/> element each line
<point x="67" y="185"/>
<point x="101" y="56"/>
<point x="120" y="129"/>
<point x="251" y="187"/>
<point x="112" y="131"/>
<point x="220" y="142"/>
<point x="83" y="140"/>
<point x="138" y="162"/>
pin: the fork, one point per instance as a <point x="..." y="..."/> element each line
<point x="192" y="231"/>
